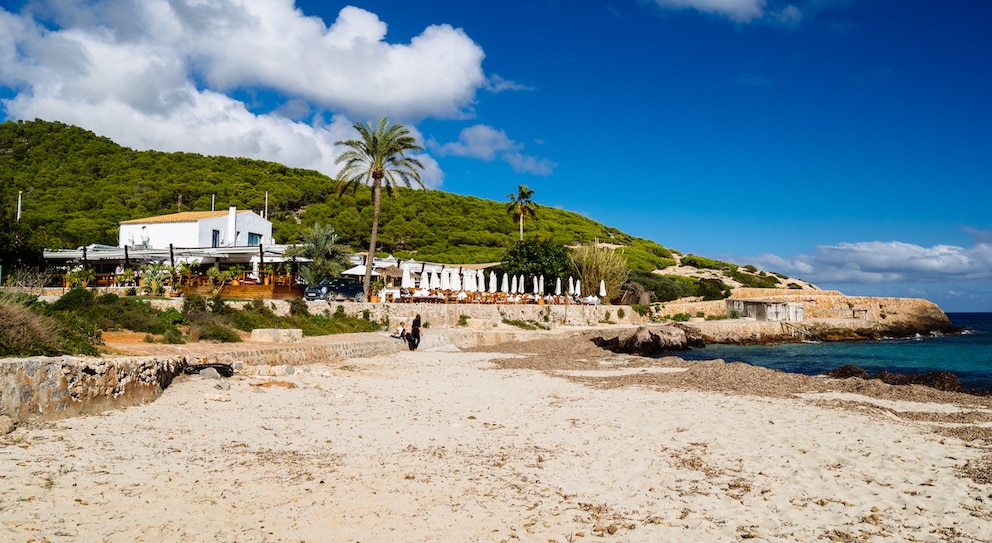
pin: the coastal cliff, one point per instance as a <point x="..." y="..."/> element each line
<point x="829" y="316"/>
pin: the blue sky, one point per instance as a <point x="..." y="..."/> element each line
<point x="845" y="142"/>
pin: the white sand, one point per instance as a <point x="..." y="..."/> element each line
<point x="439" y="446"/>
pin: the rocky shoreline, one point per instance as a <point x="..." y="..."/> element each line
<point x="672" y="338"/>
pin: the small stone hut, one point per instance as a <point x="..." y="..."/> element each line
<point x="767" y="310"/>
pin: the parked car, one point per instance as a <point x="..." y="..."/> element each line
<point x="336" y="288"/>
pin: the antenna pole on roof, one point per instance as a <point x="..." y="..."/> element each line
<point x="266" y="215"/>
<point x="19" y="205"/>
<point x="212" y="198"/>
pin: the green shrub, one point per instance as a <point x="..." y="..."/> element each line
<point x="194" y="303"/>
<point x="218" y="307"/>
<point x="754" y="281"/>
<point x="620" y="313"/>
<point x="463" y="320"/>
<point x="173" y="336"/>
<point x="26" y="332"/>
<point x="170" y="317"/>
<point x="298" y="307"/>
<point x="255" y="315"/>
<point x="641" y="309"/>
<point x="712" y="289"/>
<point x="73" y="300"/>
<point x="203" y="331"/>
<point x="707" y="263"/>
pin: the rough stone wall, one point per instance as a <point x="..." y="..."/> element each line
<point x="447" y="315"/>
<point x="50" y="388"/>
<point x="711" y="308"/>
<point x="58" y="387"/>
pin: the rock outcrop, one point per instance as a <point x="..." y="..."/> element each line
<point x="649" y="341"/>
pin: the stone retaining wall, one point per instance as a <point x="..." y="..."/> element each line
<point x="446" y="315"/>
<point x="50" y="388"/>
<point x="58" y="387"/>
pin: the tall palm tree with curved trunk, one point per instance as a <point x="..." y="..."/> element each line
<point x="521" y="205"/>
<point x="378" y="159"/>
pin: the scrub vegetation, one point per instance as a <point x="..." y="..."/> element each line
<point x="73" y="324"/>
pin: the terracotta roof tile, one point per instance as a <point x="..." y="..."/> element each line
<point x="185" y="216"/>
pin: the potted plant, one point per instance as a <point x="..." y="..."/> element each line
<point x="154" y="276"/>
<point x="374" y="287"/>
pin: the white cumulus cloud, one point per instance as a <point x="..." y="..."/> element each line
<point x="165" y="74"/>
<point x="877" y="261"/>
<point x="487" y="143"/>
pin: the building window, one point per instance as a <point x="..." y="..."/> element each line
<point x="254" y="239"/>
<point x="215" y="238"/>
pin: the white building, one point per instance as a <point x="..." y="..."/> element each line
<point x="230" y="228"/>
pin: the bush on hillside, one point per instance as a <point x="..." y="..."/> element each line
<point x="712" y="289"/>
<point x="707" y="263"/>
<point x="753" y="281"/>
<point x="646" y="255"/>
<point x="663" y="288"/>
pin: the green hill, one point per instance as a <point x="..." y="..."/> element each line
<point x="78" y="186"/>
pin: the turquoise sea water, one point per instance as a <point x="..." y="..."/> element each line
<point x="967" y="355"/>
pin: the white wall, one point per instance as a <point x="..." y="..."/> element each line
<point x="196" y="234"/>
<point x="159" y="235"/>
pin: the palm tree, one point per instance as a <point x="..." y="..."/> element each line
<point x="521" y="205"/>
<point x="320" y="245"/>
<point x="378" y="159"/>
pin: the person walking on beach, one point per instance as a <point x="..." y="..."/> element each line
<point x="414" y="336"/>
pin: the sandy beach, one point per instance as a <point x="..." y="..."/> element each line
<point x="541" y="441"/>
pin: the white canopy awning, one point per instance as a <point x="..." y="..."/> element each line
<point x="358" y="270"/>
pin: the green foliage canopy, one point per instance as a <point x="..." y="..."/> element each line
<point x="536" y="257"/>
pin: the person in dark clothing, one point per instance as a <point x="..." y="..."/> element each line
<point x="414" y="336"/>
